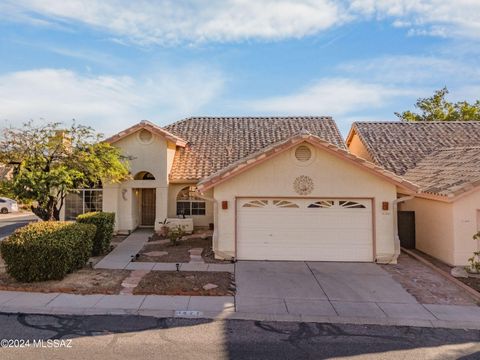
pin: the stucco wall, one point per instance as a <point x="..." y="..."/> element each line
<point x="198" y="220"/>
<point x="356" y="147"/>
<point x="333" y="177"/>
<point x="433" y="227"/>
<point x="466" y="220"/>
<point x="154" y="157"/>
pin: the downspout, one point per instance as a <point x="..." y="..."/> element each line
<point x="396" y="239"/>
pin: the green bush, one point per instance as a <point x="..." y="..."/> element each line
<point x="104" y="221"/>
<point x="47" y="250"/>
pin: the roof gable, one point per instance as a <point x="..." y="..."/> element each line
<point x="259" y="157"/>
<point x="147" y="125"/>
<point x="216" y="142"/>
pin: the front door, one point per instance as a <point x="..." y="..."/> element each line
<point x="148" y="207"/>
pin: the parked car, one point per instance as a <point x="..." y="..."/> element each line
<point x="8" y="205"/>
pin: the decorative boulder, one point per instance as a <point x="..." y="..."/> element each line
<point x="459" y="272"/>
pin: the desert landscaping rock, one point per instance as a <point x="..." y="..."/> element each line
<point x="459" y="272"/>
<point x="156" y="253"/>
<point x="195" y="251"/>
<point x="132" y="281"/>
<point x="209" y="286"/>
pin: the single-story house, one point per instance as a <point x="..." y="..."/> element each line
<point x="443" y="159"/>
<point x="273" y="188"/>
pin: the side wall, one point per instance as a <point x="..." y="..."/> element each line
<point x="466" y="220"/>
<point x="433" y="227"/>
<point x="356" y="147"/>
<point x="333" y="177"/>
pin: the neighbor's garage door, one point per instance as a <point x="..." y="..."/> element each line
<point x="304" y="229"/>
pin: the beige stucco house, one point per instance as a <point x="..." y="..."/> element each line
<point x="443" y="159"/>
<point x="276" y="188"/>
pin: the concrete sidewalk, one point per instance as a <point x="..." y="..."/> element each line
<point x="222" y="307"/>
<point x="121" y="258"/>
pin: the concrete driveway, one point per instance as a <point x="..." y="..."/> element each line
<point x="322" y="288"/>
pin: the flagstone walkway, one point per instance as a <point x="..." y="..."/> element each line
<point x="121" y="258"/>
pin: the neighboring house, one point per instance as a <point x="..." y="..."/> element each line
<point x="443" y="159"/>
<point x="276" y="188"/>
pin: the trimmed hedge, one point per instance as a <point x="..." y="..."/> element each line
<point x="104" y="221"/>
<point x="47" y="250"/>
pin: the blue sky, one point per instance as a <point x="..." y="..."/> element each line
<point x="112" y="63"/>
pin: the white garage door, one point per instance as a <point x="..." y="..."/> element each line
<point x="304" y="229"/>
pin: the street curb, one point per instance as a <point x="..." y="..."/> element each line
<point x="475" y="294"/>
<point x="219" y="316"/>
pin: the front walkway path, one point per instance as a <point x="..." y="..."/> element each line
<point x="121" y="258"/>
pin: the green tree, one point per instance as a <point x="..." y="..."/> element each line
<point x="51" y="161"/>
<point x="437" y="108"/>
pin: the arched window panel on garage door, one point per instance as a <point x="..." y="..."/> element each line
<point x="284" y="204"/>
<point x="349" y="204"/>
<point x="322" y="204"/>
<point x="256" y="204"/>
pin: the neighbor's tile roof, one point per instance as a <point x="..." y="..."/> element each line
<point x="399" y="146"/>
<point x="216" y="142"/>
<point x="447" y="172"/>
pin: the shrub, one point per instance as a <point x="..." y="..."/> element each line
<point x="47" y="250"/>
<point x="104" y="221"/>
<point x="176" y="233"/>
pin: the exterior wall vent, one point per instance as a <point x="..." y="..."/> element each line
<point x="303" y="153"/>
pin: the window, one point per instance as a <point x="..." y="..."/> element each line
<point x="351" y="204"/>
<point x="256" y="204"/>
<point x="144" y="175"/>
<point x="284" y="204"/>
<point x="322" y="204"/>
<point x="82" y="201"/>
<point x="188" y="203"/>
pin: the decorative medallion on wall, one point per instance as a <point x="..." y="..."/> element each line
<point x="303" y="185"/>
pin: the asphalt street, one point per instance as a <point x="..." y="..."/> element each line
<point x="10" y="222"/>
<point x="134" y="337"/>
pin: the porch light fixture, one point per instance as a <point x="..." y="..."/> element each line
<point x="385" y="205"/>
<point x="225" y="205"/>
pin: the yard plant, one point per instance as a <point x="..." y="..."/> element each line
<point x="49" y="161"/>
<point x="474" y="261"/>
<point x="47" y="250"/>
<point x="104" y="221"/>
<point x="176" y="233"/>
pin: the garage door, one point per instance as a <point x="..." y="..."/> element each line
<point x="304" y="229"/>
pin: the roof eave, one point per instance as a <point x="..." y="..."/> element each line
<point x="144" y="124"/>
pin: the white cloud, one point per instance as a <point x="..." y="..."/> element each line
<point x="413" y="70"/>
<point x="108" y="103"/>
<point x="331" y="96"/>
<point x="426" y="17"/>
<point x="169" y="21"/>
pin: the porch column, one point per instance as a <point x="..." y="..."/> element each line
<point x="161" y="206"/>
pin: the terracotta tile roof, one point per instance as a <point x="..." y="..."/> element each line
<point x="399" y="146"/>
<point x="283" y="145"/>
<point x="447" y="172"/>
<point x="216" y="142"/>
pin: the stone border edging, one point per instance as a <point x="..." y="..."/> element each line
<point x="472" y="292"/>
